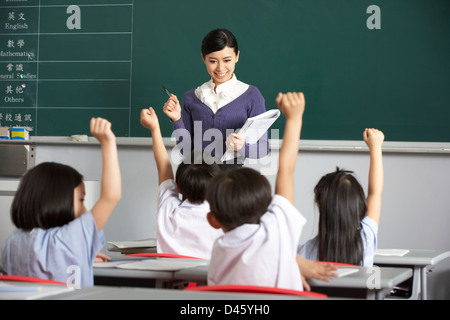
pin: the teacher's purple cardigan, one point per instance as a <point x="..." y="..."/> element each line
<point x="197" y="118"/>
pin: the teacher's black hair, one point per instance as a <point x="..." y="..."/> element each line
<point x="218" y="39"/>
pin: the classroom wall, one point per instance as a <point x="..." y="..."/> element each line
<point x="415" y="205"/>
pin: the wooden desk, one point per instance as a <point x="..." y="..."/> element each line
<point x="420" y="261"/>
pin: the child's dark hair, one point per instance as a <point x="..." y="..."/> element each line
<point x="342" y="206"/>
<point x="44" y="198"/>
<point x="193" y="175"/>
<point x="218" y="39"/>
<point x="238" y="196"/>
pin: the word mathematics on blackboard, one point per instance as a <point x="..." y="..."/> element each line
<point x="74" y="21"/>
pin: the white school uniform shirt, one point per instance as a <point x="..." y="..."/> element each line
<point x="224" y="93"/>
<point x="182" y="227"/>
<point x="261" y="254"/>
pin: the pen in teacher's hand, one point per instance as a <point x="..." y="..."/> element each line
<point x="167" y="91"/>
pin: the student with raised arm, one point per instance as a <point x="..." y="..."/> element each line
<point x="182" y="227"/>
<point x="57" y="238"/>
<point x="348" y="221"/>
<point x="262" y="232"/>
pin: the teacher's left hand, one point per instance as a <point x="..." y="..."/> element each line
<point x="235" y="142"/>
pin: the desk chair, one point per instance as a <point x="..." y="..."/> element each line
<point x="28" y="279"/>
<point x="254" y="289"/>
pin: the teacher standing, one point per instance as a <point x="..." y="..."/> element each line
<point x="223" y="103"/>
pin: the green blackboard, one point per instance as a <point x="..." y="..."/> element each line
<point x="62" y="62"/>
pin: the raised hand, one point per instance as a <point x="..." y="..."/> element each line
<point x="149" y="119"/>
<point x="101" y="129"/>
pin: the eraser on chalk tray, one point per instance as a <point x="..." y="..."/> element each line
<point x="79" y="137"/>
<point x="4" y="133"/>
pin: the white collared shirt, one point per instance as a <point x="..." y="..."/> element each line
<point x="224" y="93"/>
<point x="261" y="254"/>
<point x="182" y="227"/>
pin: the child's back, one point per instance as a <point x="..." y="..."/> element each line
<point x="56" y="237"/>
<point x="346" y="234"/>
<point x="263" y="252"/>
<point x="348" y="222"/>
<point x="261" y="232"/>
<point x="56" y="253"/>
<point x="182" y="227"/>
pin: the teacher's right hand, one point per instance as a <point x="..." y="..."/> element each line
<point x="172" y="108"/>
